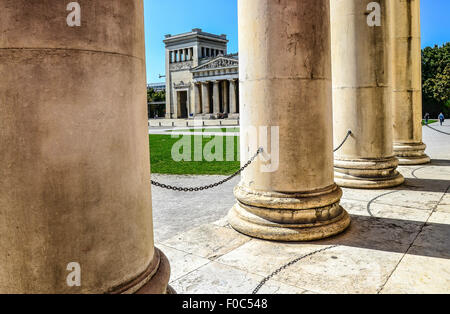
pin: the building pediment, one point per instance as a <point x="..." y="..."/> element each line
<point x="217" y="63"/>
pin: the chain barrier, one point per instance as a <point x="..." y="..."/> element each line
<point x="210" y="186"/>
<point x="345" y="140"/>
<point x="295" y="261"/>
<point x="436" y="130"/>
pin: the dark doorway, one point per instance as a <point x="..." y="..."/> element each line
<point x="182" y="105"/>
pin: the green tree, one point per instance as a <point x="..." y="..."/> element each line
<point x="436" y="79"/>
<point x="155" y="109"/>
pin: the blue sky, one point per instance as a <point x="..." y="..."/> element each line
<point x="220" y="17"/>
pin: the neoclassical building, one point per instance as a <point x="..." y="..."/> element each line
<point x="201" y="77"/>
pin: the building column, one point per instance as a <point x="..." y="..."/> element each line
<point x="197" y="99"/>
<point x="225" y="95"/>
<point x="289" y="193"/>
<point x="233" y="104"/>
<point x="206" y="98"/>
<point x="407" y="82"/>
<point x="74" y="198"/>
<point x="361" y="96"/>
<point x="189" y="54"/>
<point x="175" y="54"/>
<point x="216" y="97"/>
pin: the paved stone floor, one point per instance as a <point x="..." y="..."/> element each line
<point x="399" y="240"/>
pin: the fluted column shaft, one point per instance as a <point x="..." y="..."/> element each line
<point x="225" y="95"/>
<point x="216" y="97"/>
<point x="197" y="98"/>
<point x="233" y="105"/>
<point x="206" y="98"/>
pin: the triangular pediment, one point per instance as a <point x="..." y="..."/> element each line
<point x="217" y="63"/>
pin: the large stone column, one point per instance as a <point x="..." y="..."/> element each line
<point x="75" y="175"/>
<point x="233" y="105"/>
<point x="285" y="74"/>
<point x="361" y="95"/>
<point x="206" y="98"/>
<point x="407" y="82"/>
<point x="216" y="97"/>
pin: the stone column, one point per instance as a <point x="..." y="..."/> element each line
<point x="216" y="97"/>
<point x="285" y="76"/>
<point x="73" y="197"/>
<point x="197" y="98"/>
<point x="175" y="56"/>
<point x="233" y="105"/>
<point x="407" y="82"/>
<point x="361" y="96"/>
<point x="189" y="54"/>
<point x="206" y="98"/>
<point x="225" y="95"/>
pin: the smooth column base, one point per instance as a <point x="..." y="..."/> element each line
<point x="368" y="173"/>
<point x="154" y="280"/>
<point x="289" y="217"/>
<point x="410" y="154"/>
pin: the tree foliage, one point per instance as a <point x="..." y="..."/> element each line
<point x="156" y="109"/>
<point x="436" y="79"/>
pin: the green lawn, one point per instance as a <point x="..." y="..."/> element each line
<point x="212" y="130"/>
<point x="429" y="121"/>
<point x="163" y="163"/>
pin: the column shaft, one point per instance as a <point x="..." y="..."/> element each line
<point x="225" y="95"/>
<point x="233" y="105"/>
<point x="407" y="82"/>
<point x="71" y="193"/>
<point x="197" y="98"/>
<point x="361" y="96"/>
<point x="206" y="98"/>
<point x="216" y="97"/>
<point x="289" y="193"/>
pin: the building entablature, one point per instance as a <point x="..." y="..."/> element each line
<point x="222" y="67"/>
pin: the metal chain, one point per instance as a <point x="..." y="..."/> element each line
<point x="295" y="261"/>
<point x="437" y="130"/>
<point x="211" y="186"/>
<point x="345" y="140"/>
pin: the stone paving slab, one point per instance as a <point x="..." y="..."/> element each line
<point x="420" y="275"/>
<point x="223" y="279"/>
<point x="208" y="241"/>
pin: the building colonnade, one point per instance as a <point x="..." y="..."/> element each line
<point x="181" y="55"/>
<point x="89" y="189"/>
<point x="216" y="97"/>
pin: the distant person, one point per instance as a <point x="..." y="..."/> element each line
<point x="441" y="118"/>
<point x="427" y="118"/>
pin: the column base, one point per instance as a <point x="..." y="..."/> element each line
<point x="289" y="217"/>
<point x="154" y="280"/>
<point x="410" y="154"/>
<point x="368" y="173"/>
